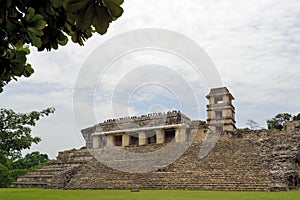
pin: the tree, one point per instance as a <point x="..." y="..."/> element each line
<point x="4" y="176"/>
<point x="10" y="171"/>
<point x="20" y="167"/>
<point x="296" y="117"/>
<point x="278" y="121"/>
<point x="15" y="131"/>
<point x="252" y="124"/>
<point x="46" y="24"/>
<point x="30" y="160"/>
<point x="15" y="136"/>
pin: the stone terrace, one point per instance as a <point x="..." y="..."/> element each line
<point x="253" y="160"/>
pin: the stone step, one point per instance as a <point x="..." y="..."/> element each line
<point x="48" y="171"/>
<point x="35" y="178"/>
<point x="62" y="165"/>
<point x="29" y="185"/>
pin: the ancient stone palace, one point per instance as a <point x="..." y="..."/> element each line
<point x="171" y="151"/>
<point x="159" y="128"/>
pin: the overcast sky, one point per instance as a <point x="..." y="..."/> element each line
<point x="255" y="46"/>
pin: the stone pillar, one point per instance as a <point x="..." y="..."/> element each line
<point x="125" y="140"/>
<point x="110" y="140"/>
<point x="142" y="138"/>
<point x="180" y="134"/>
<point x="226" y="99"/>
<point x="96" y="141"/>
<point x="160" y="136"/>
<point x="209" y="114"/>
<point x="211" y="101"/>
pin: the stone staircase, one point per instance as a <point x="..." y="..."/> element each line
<point x="42" y="178"/>
<point x="239" y="164"/>
<point x="232" y="165"/>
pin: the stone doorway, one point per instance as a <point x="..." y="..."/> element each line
<point x="118" y="140"/>
<point x="169" y="135"/>
<point x="151" y="138"/>
<point x="134" y="139"/>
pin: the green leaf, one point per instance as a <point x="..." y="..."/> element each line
<point x="38" y="22"/>
<point x="57" y="3"/>
<point x="30" y="13"/>
<point x="35" y="31"/>
<point x="75" y="6"/>
<point x="18" y="69"/>
<point x="33" y="35"/>
<point x="119" y="2"/>
<point x="54" y="44"/>
<point x="28" y="70"/>
<point x="86" y="17"/>
<point x="102" y="20"/>
<point x="61" y="38"/>
<point x="74" y="37"/>
<point x="25" y="49"/>
<point x="20" y="57"/>
<point x="114" y="9"/>
<point x="12" y="25"/>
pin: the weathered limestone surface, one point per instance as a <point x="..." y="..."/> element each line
<point x="239" y="169"/>
<point x="283" y="155"/>
<point x="67" y="163"/>
<point x="263" y="160"/>
<point x="135" y="122"/>
<point x="241" y="160"/>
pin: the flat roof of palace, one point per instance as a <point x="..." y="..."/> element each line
<point x="147" y="116"/>
<point x="149" y="120"/>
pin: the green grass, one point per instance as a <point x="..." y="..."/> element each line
<point x="40" y="194"/>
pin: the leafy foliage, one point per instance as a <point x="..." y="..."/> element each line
<point x="278" y="121"/>
<point x="46" y="24"/>
<point x="15" y="136"/>
<point x="4" y="176"/>
<point x="10" y="171"/>
<point x="15" y="131"/>
<point x="252" y="124"/>
<point x="13" y="175"/>
<point x="296" y="117"/>
<point x="30" y="160"/>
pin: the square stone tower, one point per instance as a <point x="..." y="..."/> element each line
<point x="220" y="111"/>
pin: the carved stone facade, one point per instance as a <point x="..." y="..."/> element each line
<point x="155" y="128"/>
<point x="138" y="130"/>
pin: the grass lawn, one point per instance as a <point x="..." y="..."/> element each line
<point x="41" y="194"/>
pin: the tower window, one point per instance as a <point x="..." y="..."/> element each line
<point x="219" y="99"/>
<point x="218" y="114"/>
<point x="219" y="129"/>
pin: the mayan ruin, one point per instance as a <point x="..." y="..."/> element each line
<point x="241" y="160"/>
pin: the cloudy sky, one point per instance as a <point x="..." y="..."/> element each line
<point x="254" y="45"/>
